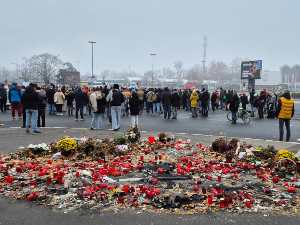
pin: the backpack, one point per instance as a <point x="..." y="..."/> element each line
<point x="154" y="97"/>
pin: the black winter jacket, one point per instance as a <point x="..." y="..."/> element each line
<point x="79" y="97"/>
<point x="101" y="103"/>
<point x="118" y="98"/>
<point x="175" y="99"/>
<point x="30" y="98"/>
<point x="50" y="96"/>
<point x="134" y="103"/>
<point x="234" y="104"/>
<point x="166" y="98"/>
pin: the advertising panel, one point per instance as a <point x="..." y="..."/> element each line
<point x="251" y="69"/>
<point x="72" y="78"/>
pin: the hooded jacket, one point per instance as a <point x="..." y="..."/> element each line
<point x="134" y="103"/>
<point x="69" y="97"/>
<point x="194" y="99"/>
<point x="149" y="96"/>
<point x="30" y="98"/>
<point x="14" y="94"/>
<point x="234" y="104"/>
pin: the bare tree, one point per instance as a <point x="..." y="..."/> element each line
<point x="168" y="73"/>
<point x="195" y="74"/>
<point x="219" y="71"/>
<point x="46" y="65"/>
<point x="26" y="69"/>
<point x="180" y="72"/>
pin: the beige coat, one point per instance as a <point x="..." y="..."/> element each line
<point x="60" y="98"/>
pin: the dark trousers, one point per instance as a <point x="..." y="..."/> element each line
<point x="204" y="110"/>
<point x="24" y="117"/>
<point x="261" y="111"/>
<point x="167" y="112"/>
<point x="213" y="105"/>
<point x="14" y="106"/>
<point x="41" y="115"/>
<point x="3" y="104"/>
<point x="149" y="107"/>
<point x="59" y="108"/>
<point x="79" y="107"/>
<point x="244" y="106"/>
<point x="288" y="130"/>
<point x="141" y="105"/>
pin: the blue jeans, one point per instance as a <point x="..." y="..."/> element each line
<point x="233" y="116"/>
<point x="252" y="112"/>
<point x="100" y="116"/>
<point x="221" y="104"/>
<point x="89" y="109"/>
<point x="156" y="106"/>
<point x="116" y="116"/>
<point x="167" y="110"/>
<point x="34" y="114"/>
<point x="188" y="104"/>
<point x="51" y="108"/>
<point x="79" y="107"/>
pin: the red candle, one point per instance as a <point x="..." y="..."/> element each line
<point x="222" y="203"/>
<point x="141" y="158"/>
<point x="196" y="188"/>
<point x="219" y="178"/>
<point x="248" y="204"/>
<point x="49" y="180"/>
<point x="203" y="190"/>
<point x="77" y="174"/>
<point x="121" y="199"/>
<point x="54" y="175"/>
<point x="268" y="191"/>
<point x="59" y="179"/>
<point x="291" y="190"/>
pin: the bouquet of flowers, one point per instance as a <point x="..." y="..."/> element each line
<point x="229" y="154"/>
<point x="133" y="135"/>
<point x="66" y="144"/>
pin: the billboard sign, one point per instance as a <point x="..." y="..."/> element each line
<point x="72" y="77"/>
<point x="251" y="69"/>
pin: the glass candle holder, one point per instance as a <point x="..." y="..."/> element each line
<point x="222" y="203"/>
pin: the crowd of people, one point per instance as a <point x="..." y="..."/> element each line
<point x="31" y="102"/>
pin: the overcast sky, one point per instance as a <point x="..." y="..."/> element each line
<point x="127" y="31"/>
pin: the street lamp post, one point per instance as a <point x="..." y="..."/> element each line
<point x="92" y="42"/>
<point x="152" y="66"/>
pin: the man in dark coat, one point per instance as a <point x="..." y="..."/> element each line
<point x="228" y="98"/>
<point x="50" y="96"/>
<point x="183" y="99"/>
<point x="80" y="99"/>
<point x="166" y="102"/>
<point x="213" y="100"/>
<point x="30" y="100"/>
<point x="234" y="107"/>
<point x="3" y="98"/>
<point x="204" y="99"/>
<point x="175" y="101"/>
<point x="134" y="104"/>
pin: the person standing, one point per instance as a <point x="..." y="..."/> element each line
<point x="106" y="92"/>
<point x="194" y="102"/>
<point x="251" y="99"/>
<point x="3" y="98"/>
<point x="79" y="101"/>
<point x="285" y="111"/>
<point x="213" y="100"/>
<point x="156" y="102"/>
<point x="256" y="104"/>
<point x="50" y="96"/>
<point x="228" y="98"/>
<point x="204" y="99"/>
<point x="183" y="99"/>
<point x="116" y="98"/>
<point x="14" y="97"/>
<point x="141" y="98"/>
<point x="221" y="97"/>
<point x="175" y="101"/>
<point x="149" y="101"/>
<point x="244" y="101"/>
<point x="166" y="102"/>
<point x="41" y="107"/>
<point x="262" y="99"/>
<point x="98" y="102"/>
<point x="59" y="99"/>
<point x="234" y="107"/>
<point x="188" y="101"/>
<point x="134" y="103"/>
<point x="31" y="100"/>
<point x="69" y="97"/>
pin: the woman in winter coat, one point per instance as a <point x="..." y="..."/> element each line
<point x="234" y="107"/>
<point x="69" y="97"/>
<point x="141" y="98"/>
<point x="194" y="101"/>
<point x="134" y="104"/>
<point x="60" y="98"/>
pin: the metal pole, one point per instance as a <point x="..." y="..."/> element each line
<point x="152" y="66"/>
<point x="92" y="42"/>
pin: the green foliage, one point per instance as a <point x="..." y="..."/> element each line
<point x="119" y="140"/>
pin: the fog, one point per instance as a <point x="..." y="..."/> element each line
<point x="127" y="32"/>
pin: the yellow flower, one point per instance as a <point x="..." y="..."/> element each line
<point x="67" y="144"/>
<point x="285" y="154"/>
